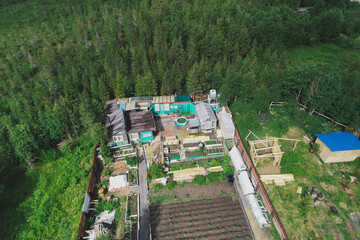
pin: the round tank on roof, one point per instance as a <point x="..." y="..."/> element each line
<point x="212" y="94"/>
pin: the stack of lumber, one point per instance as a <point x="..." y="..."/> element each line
<point x="194" y="139"/>
<point x="188" y="174"/>
<point x="278" y="179"/>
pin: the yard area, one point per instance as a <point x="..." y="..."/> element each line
<point x="303" y="216"/>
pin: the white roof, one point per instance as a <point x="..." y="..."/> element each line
<point x="226" y="124"/>
<point x="117" y="182"/>
<point x="237" y="160"/>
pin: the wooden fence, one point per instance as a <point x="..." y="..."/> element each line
<point x="258" y="184"/>
<point x="89" y="194"/>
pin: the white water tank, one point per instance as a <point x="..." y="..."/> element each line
<point x="212" y="94"/>
<point x="256" y="209"/>
<point x="245" y="183"/>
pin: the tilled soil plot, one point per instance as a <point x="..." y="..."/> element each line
<point x="217" y="218"/>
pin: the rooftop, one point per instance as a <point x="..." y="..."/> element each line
<point x="204" y="112"/>
<point x="115" y="121"/>
<point x="340" y="141"/>
<point x="182" y="98"/>
<point x="163" y="99"/>
<point x="139" y="121"/>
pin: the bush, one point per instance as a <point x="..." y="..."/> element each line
<point x="156" y="171"/>
<point x="198" y="180"/>
<point x="105" y="205"/>
<point x="212" y="177"/>
<point x="170" y="185"/>
<point x="228" y="170"/>
<point x="132" y="161"/>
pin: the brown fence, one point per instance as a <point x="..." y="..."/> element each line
<point x="89" y="193"/>
<point x="258" y="184"/>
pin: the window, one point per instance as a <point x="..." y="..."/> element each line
<point x="157" y="107"/>
<point x="166" y="107"/>
<point x="134" y="136"/>
<point x="118" y="138"/>
<point x="148" y="134"/>
<point x="161" y="107"/>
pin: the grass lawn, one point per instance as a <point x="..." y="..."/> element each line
<point x="300" y="218"/>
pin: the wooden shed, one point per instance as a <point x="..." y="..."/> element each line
<point x="338" y="147"/>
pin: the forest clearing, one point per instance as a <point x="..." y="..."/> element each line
<point x="62" y="61"/>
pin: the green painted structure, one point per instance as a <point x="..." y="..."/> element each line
<point x="180" y="104"/>
<point x="147" y="136"/>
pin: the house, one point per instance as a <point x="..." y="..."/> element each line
<point x="205" y="113"/>
<point x="140" y="125"/>
<point x="115" y="124"/>
<point x="338" y="147"/>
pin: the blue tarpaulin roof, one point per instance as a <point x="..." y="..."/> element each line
<point x="340" y="141"/>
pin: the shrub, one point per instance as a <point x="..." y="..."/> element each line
<point x="156" y="171"/>
<point x="212" y="177"/>
<point x="170" y="185"/>
<point x="104" y="205"/>
<point x="198" y="180"/>
<point x="132" y="161"/>
<point x="228" y="170"/>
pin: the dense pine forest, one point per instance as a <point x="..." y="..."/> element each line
<point x="60" y="61"/>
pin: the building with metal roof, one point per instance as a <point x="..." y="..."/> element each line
<point x="140" y="125"/>
<point x="115" y="124"/>
<point x="206" y="116"/>
<point x="338" y="147"/>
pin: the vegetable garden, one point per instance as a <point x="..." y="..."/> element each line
<point x="219" y="218"/>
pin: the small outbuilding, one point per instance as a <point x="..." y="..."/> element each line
<point x="205" y="113"/>
<point x="338" y="147"/>
<point x="226" y="125"/>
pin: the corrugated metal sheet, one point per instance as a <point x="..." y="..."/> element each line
<point x="164" y="99"/>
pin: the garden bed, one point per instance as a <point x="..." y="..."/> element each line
<point x="133" y="177"/>
<point x="217" y="218"/>
<point x="215" y="151"/>
<point x="173" y="155"/>
<point x="191" y="145"/>
<point x="193" y="154"/>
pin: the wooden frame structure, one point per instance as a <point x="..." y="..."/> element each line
<point x="267" y="148"/>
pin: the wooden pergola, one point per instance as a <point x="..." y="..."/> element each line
<point x="267" y="148"/>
